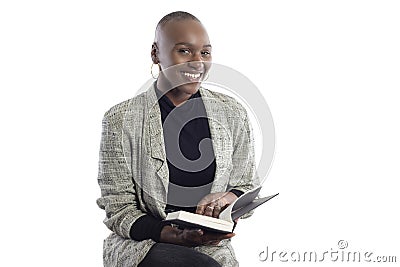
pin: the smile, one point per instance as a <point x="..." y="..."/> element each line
<point x="192" y="75"/>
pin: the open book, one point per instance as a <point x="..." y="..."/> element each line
<point x="225" y="222"/>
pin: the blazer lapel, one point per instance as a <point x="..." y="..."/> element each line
<point x="155" y="131"/>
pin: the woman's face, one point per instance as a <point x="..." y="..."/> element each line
<point x="185" y="45"/>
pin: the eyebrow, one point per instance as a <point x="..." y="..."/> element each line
<point x="189" y="44"/>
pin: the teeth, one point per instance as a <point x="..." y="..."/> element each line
<point x="191" y="75"/>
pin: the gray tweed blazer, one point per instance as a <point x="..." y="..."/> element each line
<point x="133" y="171"/>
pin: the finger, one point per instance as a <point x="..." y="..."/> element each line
<point x="202" y="206"/>
<point x="216" y="211"/>
<point x="209" y="210"/>
<point x="212" y="238"/>
<point x="216" y="236"/>
<point x="200" y="209"/>
<point x="226" y="236"/>
<point x="222" y="203"/>
<point x="192" y="237"/>
<point x="194" y="233"/>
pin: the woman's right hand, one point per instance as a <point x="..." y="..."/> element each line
<point x="191" y="237"/>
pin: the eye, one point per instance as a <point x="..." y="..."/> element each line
<point x="184" y="51"/>
<point x="206" y="53"/>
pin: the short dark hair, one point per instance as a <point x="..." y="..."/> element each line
<point x="177" y="15"/>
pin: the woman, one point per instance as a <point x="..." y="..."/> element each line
<point x="141" y="174"/>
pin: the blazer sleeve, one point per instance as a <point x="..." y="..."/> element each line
<point x="118" y="194"/>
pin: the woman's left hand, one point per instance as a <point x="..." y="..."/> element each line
<point x="212" y="204"/>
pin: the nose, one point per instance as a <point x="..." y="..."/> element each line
<point x="197" y="65"/>
<point x="196" y="62"/>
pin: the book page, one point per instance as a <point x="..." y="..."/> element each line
<point x="254" y="204"/>
<point x="226" y="213"/>
<point x="240" y="202"/>
<point x="246" y="198"/>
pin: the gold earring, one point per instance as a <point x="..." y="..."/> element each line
<point x="151" y="70"/>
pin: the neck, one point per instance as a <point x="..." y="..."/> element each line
<point x="176" y="95"/>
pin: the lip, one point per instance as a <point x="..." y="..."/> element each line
<point x="192" y="76"/>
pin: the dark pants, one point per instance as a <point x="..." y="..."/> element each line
<point x="163" y="254"/>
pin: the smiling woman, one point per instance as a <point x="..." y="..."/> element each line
<point x="177" y="146"/>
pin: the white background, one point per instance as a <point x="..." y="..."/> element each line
<point x="329" y="71"/>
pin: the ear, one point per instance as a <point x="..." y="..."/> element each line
<point x="154" y="53"/>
